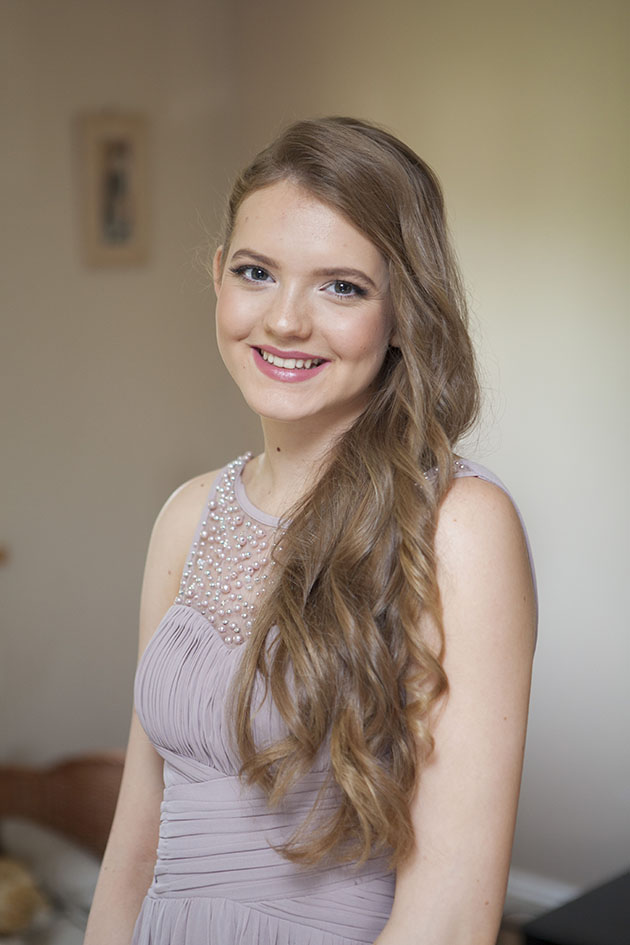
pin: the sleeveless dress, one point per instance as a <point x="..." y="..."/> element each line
<point x="218" y="879"/>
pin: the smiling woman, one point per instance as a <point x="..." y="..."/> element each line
<point x="336" y="635"/>
<point x="285" y="280"/>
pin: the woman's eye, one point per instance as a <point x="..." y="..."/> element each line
<point x="346" y="289"/>
<point x="251" y="273"/>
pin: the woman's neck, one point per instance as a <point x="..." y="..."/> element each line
<point x="288" y="467"/>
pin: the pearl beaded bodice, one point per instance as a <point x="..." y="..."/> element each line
<point x="229" y="562"/>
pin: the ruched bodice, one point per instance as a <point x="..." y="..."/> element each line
<point x="218" y="879"/>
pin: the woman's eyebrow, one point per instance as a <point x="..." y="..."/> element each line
<point x="252" y="254"/>
<point x="343" y="274"/>
<point x="335" y="272"/>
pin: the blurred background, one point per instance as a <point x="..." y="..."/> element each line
<point x="113" y="392"/>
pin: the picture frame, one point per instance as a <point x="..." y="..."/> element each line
<point x="114" y="197"/>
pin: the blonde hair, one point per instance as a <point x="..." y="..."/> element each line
<point x="356" y="570"/>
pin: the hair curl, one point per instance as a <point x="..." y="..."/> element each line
<point x="356" y="570"/>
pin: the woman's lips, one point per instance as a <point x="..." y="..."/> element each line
<point x="292" y="366"/>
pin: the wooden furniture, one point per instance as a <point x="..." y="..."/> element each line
<point x="75" y="797"/>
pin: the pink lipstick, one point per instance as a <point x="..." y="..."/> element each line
<point x="287" y="366"/>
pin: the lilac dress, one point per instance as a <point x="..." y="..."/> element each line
<point x="217" y="879"/>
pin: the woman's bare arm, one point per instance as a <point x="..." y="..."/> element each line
<point x="451" y="891"/>
<point x="127" y="868"/>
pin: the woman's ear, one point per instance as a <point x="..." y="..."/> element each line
<point x="217" y="273"/>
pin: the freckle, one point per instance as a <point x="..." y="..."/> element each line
<point x="486" y="903"/>
<point x="169" y="571"/>
<point x="505" y="718"/>
<point x="278" y="449"/>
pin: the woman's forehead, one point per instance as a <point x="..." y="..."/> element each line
<point x="288" y="216"/>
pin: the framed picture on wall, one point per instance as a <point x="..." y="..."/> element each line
<point x="114" y="199"/>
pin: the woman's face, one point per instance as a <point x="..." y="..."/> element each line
<point x="302" y="314"/>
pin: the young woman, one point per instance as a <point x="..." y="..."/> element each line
<point x="332" y="709"/>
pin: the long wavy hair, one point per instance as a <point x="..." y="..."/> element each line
<point x="350" y="668"/>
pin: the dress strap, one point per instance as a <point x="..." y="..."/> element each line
<point x="193" y="552"/>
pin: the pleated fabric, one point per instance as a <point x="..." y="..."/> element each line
<point x="218" y="879"/>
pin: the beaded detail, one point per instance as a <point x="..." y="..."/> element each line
<point x="228" y="566"/>
<point x="459" y="467"/>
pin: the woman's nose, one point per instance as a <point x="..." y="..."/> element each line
<point x="287" y="316"/>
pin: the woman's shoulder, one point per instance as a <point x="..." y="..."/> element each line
<point x="480" y="521"/>
<point x="171" y="539"/>
<point x="475" y="485"/>
<point x="174" y="527"/>
<point x="178" y="517"/>
<point x="478" y="494"/>
<point x="477" y="502"/>
<point x="469" y="469"/>
<point x="190" y="495"/>
<point x="183" y="510"/>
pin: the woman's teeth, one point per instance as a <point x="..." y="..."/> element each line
<point x="289" y="363"/>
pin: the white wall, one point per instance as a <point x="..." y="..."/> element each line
<point x="112" y="380"/>
<point x="520" y="107"/>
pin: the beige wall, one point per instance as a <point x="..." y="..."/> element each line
<point x="112" y="391"/>
<point x="519" y="106"/>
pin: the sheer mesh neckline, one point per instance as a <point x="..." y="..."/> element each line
<point x="265" y="518"/>
<point x="228" y="566"/>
